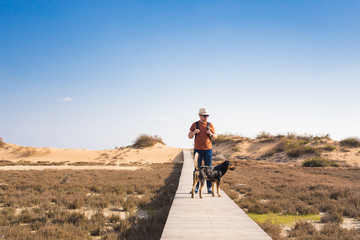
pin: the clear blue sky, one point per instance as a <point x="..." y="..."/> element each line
<point x="96" y="74"/>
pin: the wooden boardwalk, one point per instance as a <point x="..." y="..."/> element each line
<point x="207" y="218"/>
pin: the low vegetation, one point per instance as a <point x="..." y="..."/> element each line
<point x="87" y="204"/>
<point x="351" y="142"/>
<point x="332" y="231"/>
<point x="295" y="147"/>
<point x="320" y="162"/>
<point x="271" y="193"/>
<point x="144" y="141"/>
<point x="224" y="138"/>
<point x="265" y="137"/>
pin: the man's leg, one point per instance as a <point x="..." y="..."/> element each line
<point x="208" y="162"/>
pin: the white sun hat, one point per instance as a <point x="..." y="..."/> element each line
<point x="203" y="111"/>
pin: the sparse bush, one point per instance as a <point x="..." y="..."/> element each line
<point x="144" y="141"/>
<point x="273" y="230"/>
<point x="122" y="226"/>
<point x="264" y="134"/>
<point x="295" y="152"/>
<point x="236" y="149"/>
<point x="310" y="150"/>
<point x="224" y="138"/>
<point x="320" y="162"/>
<point x="329" y="148"/>
<point x="76" y="204"/>
<point x="334" y="231"/>
<point x="296" y="148"/>
<point x="114" y="218"/>
<point x="302" y="229"/>
<point x="280" y="136"/>
<point x="25" y="217"/>
<point x="76" y="218"/>
<point x="131" y="203"/>
<point x="291" y="135"/>
<point x="334" y="217"/>
<point x="322" y="137"/>
<point x="352" y="142"/>
<point x="265" y="137"/>
<point x="344" y="149"/>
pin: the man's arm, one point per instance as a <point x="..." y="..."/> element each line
<point x="192" y="133"/>
<point x="212" y="135"/>
<point x="211" y="132"/>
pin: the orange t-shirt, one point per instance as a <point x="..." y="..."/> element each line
<point x="202" y="139"/>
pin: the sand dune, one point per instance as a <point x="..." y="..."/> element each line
<point x="12" y="154"/>
<point x="236" y="147"/>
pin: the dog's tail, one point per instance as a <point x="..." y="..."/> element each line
<point x="196" y="161"/>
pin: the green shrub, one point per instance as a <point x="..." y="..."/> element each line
<point x="295" y="152"/>
<point x="352" y="142"/>
<point x="144" y="141"/>
<point x="329" y="148"/>
<point x="310" y="150"/>
<point x="320" y="162"/>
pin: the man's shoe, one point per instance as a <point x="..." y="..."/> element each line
<point x="209" y="190"/>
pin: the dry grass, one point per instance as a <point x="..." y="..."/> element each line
<point x="70" y="204"/>
<point x="332" y="231"/>
<point x="264" y="188"/>
<point x="144" y="141"/>
<point x="29" y="163"/>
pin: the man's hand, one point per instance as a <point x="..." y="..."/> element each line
<point x="192" y="134"/>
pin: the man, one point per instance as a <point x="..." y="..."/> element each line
<point x="204" y="133"/>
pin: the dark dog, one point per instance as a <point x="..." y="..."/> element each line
<point x="213" y="174"/>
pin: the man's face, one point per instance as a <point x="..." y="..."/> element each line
<point x="203" y="117"/>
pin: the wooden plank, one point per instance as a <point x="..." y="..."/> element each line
<point x="207" y="218"/>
